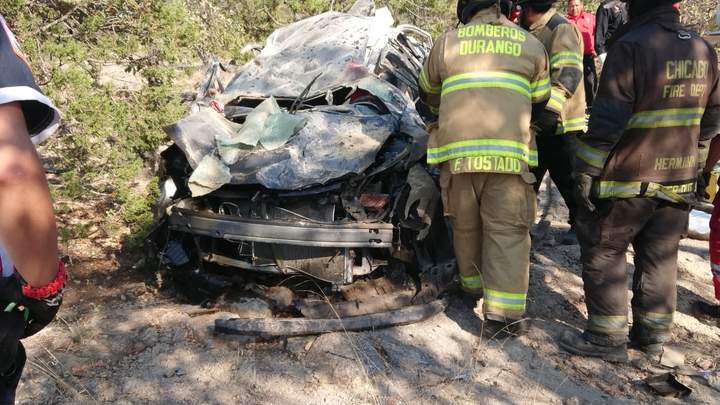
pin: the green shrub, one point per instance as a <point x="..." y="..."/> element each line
<point x="111" y="133"/>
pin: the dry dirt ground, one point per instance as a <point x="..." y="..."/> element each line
<point x="117" y="341"/>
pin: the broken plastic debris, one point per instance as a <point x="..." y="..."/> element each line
<point x="672" y="358"/>
<point x="699" y="225"/>
<point x="267" y="125"/>
<point x="210" y="175"/>
<point x="668" y="385"/>
<point x="196" y="133"/>
<point x="279" y="128"/>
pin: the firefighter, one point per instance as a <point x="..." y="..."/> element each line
<point x="610" y="16"/>
<point x="637" y="169"/>
<point x="486" y="80"/>
<point x="31" y="277"/>
<point x="564" y="117"/>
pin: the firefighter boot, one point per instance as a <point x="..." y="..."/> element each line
<point x="705" y="309"/>
<point x="496" y="327"/>
<point x="11" y="378"/>
<point x="469" y="300"/>
<point x="579" y="344"/>
<point x="644" y="341"/>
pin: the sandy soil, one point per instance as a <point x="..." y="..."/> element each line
<point x="119" y="341"/>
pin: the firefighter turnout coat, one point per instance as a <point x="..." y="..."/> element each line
<point x="564" y="45"/>
<point x="482" y="80"/>
<point x="658" y="107"/>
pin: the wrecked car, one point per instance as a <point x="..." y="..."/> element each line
<point x="302" y="183"/>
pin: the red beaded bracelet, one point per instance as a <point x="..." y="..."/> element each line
<point x="51" y="289"/>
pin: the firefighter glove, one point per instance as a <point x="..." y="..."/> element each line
<point x="583" y="190"/>
<point x="547" y="122"/>
<point x="703" y="182"/>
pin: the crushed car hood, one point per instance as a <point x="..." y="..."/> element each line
<point x="348" y="62"/>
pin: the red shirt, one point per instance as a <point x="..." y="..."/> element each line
<point x="586" y="24"/>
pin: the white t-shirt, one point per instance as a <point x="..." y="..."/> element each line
<point x="18" y="85"/>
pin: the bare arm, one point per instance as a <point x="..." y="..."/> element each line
<point x="27" y="220"/>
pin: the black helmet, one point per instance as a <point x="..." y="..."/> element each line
<point x="506" y="7"/>
<point x="537" y="3"/>
<point x="639" y="7"/>
<point x="467" y="8"/>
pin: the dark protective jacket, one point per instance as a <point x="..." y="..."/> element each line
<point x="564" y="45"/>
<point x="483" y="79"/>
<point x="611" y="15"/>
<point x="657" y="109"/>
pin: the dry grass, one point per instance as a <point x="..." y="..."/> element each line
<point x="66" y="383"/>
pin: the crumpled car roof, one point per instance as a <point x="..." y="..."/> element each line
<point x="338" y="47"/>
<point x="333" y="50"/>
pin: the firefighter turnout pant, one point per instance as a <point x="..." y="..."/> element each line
<point x="556" y="155"/>
<point x="491" y="216"/>
<point x="654" y="228"/>
<point x="590" y="79"/>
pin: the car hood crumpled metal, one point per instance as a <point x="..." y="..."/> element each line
<point x="327" y="52"/>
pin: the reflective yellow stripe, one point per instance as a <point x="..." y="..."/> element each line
<point x="434" y="110"/>
<point x="474" y="282"/>
<point x="654" y="320"/>
<point x="482" y="147"/>
<point x="594" y="157"/>
<point x="540" y="89"/>
<point x="630" y="189"/>
<point x="425" y="83"/>
<point x="557" y="100"/>
<point x="515" y="296"/>
<point x="619" y="189"/>
<point x="504" y="300"/>
<point x="572" y="59"/>
<point x="574" y="125"/>
<point x="477" y="80"/>
<point x="608" y="324"/>
<point x="567" y="55"/>
<point x="673" y="117"/>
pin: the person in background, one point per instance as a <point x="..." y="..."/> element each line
<point x="510" y="10"/>
<point x="564" y="116"/>
<point x="713" y="159"/>
<point x="611" y="15"/>
<point x="585" y="22"/>
<point x="701" y="306"/>
<point x="31" y="276"/>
